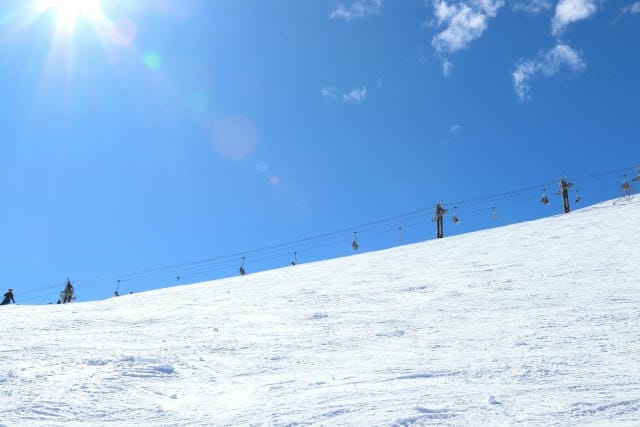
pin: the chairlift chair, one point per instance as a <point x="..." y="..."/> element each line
<point x="241" y="269"/>
<point x="544" y="199"/>
<point x="355" y="244"/>
<point x="625" y="185"/>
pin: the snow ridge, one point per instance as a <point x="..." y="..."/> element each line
<point x="534" y="323"/>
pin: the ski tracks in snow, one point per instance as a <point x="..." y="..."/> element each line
<point x="536" y="323"/>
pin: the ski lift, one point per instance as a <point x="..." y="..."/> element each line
<point x="439" y="212"/>
<point x="578" y="197"/>
<point x="355" y="244"/>
<point x="544" y="199"/>
<point x="564" y="184"/>
<point x="116" y="293"/>
<point x="241" y="269"/>
<point x="626" y="188"/>
<point x="564" y="191"/>
<point x="637" y="178"/>
<point x="67" y="293"/>
<point x="494" y="213"/>
<point x="400" y="234"/>
<point x="177" y="279"/>
<point x="295" y="258"/>
<point x="455" y="217"/>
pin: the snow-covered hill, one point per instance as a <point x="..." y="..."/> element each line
<point x="535" y="323"/>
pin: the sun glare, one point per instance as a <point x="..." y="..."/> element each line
<point x="67" y="13"/>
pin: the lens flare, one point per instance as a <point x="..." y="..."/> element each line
<point x="152" y="60"/>
<point x="234" y="137"/>
<point x="123" y="32"/>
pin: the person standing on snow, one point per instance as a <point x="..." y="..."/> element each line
<point x="8" y="297"/>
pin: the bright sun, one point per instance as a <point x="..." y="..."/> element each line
<point x="68" y="12"/>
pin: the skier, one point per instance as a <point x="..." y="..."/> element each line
<point x="8" y="297"/>
<point x="67" y="294"/>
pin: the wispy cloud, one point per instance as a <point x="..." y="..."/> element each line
<point x="545" y="64"/>
<point x="358" y="9"/>
<point x="446" y="67"/>
<point x="452" y="135"/>
<point x="531" y="6"/>
<point x="332" y="94"/>
<point x="569" y="11"/>
<point x="455" y="128"/>
<point x="356" y="95"/>
<point x="633" y="8"/>
<point x="463" y="22"/>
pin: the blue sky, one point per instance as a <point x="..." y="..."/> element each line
<point x="155" y="133"/>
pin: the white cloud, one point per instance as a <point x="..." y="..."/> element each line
<point x="446" y="67"/>
<point x="634" y="8"/>
<point x="332" y="94"/>
<point x="455" y="128"/>
<point x="358" y="9"/>
<point x="545" y="64"/>
<point x="464" y="22"/>
<point x="531" y="6"/>
<point x="569" y="11"/>
<point x="356" y="95"/>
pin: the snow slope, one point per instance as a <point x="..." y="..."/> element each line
<point x="535" y="323"/>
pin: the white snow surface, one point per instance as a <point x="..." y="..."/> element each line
<point x="535" y="323"/>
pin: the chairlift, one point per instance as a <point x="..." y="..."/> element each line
<point x="578" y="197"/>
<point x="544" y="199"/>
<point x="116" y="293"/>
<point x="439" y="211"/>
<point x="295" y="258"/>
<point x="455" y="217"/>
<point x="564" y="184"/>
<point x="400" y="234"/>
<point x="564" y="191"/>
<point x="494" y="213"/>
<point x="67" y="293"/>
<point x="241" y="269"/>
<point x="355" y="244"/>
<point x="626" y="188"/>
